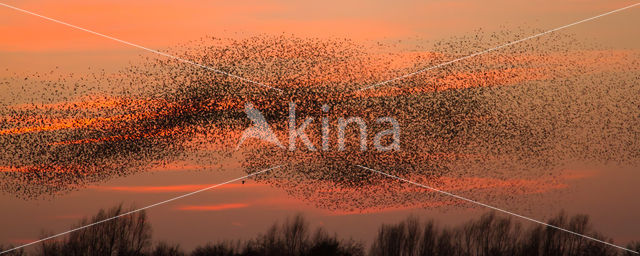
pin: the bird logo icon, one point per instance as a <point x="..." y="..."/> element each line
<point x="260" y="128"/>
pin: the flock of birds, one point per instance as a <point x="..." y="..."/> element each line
<point x="520" y="113"/>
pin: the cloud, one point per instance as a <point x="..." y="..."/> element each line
<point x="215" y="207"/>
<point x="172" y="188"/>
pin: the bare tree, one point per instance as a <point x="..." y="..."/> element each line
<point x="128" y="235"/>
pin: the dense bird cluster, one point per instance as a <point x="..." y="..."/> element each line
<point x="519" y="113"/>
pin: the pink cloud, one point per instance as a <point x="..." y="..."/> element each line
<point x="172" y="188"/>
<point x="216" y="207"/>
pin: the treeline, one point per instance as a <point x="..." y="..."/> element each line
<point x="494" y="235"/>
<point x="130" y="235"/>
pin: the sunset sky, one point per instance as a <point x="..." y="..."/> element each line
<point x="43" y="51"/>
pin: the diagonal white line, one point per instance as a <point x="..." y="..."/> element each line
<point x="140" y="209"/>
<point x="495" y="208"/>
<point x="495" y="48"/>
<point x="145" y="48"/>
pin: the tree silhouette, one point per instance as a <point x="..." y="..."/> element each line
<point x="489" y="235"/>
<point x="127" y="235"/>
<point x="492" y="235"/>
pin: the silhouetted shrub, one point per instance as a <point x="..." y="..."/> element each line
<point x="634" y="246"/>
<point x="17" y="252"/>
<point x="165" y="249"/>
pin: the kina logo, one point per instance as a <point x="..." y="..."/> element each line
<point x="261" y="130"/>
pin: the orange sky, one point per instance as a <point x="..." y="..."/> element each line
<point x="165" y="23"/>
